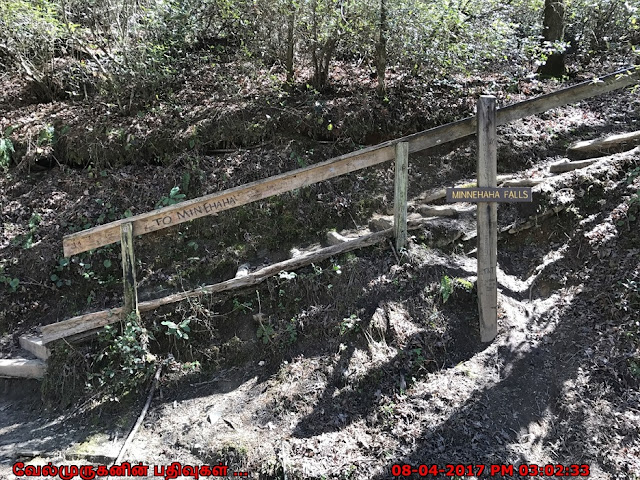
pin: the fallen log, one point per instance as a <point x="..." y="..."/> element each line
<point x="523" y="182"/>
<point x="438" y="211"/>
<point x="608" y="145"/>
<point x="562" y="167"/>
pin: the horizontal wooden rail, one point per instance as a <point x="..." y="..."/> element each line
<point x="367" y="157"/>
<point x="576" y="93"/>
<point x="90" y="321"/>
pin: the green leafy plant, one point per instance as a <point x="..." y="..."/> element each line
<point x="350" y="324"/>
<point x="265" y="332"/>
<point x="418" y="358"/>
<point x="632" y="175"/>
<point x="63" y="264"/>
<point x="11" y="282"/>
<point x="26" y="240"/>
<point x="174" y="197"/>
<point x="387" y="413"/>
<point x="124" y="362"/>
<point x="243" y="307"/>
<point x="178" y="330"/>
<point x="448" y="285"/>
<point x="6" y="148"/>
<point x="86" y="270"/>
<point x="185" y="181"/>
<point x="191" y="366"/>
<point x="299" y="159"/>
<point x="108" y="211"/>
<point x="46" y="136"/>
<point x="292" y="331"/>
<point x="464" y="284"/>
<point x="446" y="288"/>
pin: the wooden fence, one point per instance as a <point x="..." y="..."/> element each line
<point x="124" y="230"/>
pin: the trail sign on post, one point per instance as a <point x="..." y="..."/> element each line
<point x="487" y="196"/>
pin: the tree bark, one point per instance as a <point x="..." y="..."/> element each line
<point x="553" y="31"/>
<point x="322" y="51"/>
<point x="381" y="48"/>
<point x="291" y="22"/>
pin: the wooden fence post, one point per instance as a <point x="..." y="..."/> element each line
<point x="400" y="196"/>
<point x="128" y="271"/>
<point x="487" y="220"/>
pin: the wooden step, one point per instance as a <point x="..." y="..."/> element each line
<point x="604" y="146"/>
<point x="22" y="368"/>
<point x="33" y="344"/>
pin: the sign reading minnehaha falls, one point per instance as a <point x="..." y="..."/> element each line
<point x="487" y="196"/>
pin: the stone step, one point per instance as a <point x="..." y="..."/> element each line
<point x="22" y="368"/>
<point x="33" y="344"/>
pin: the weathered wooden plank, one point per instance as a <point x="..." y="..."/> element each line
<point x="217" y="202"/>
<point x="573" y="94"/>
<point x="79" y="324"/>
<point x="439" y="211"/>
<point x="562" y="167"/>
<point x="128" y="271"/>
<point x="600" y="146"/>
<point x="76" y="325"/>
<point x="22" y="368"/>
<point x="34" y="345"/>
<point x="400" y="196"/>
<point x="487" y="215"/>
<point x="522" y="182"/>
<point x="350" y="162"/>
<point x="234" y="197"/>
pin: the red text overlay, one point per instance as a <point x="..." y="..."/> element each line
<point x="461" y="470"/>
<point x="125" y="469"/>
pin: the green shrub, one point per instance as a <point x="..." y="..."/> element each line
<point x="124" y="362"/>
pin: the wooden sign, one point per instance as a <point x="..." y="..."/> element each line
<point x="489" y="194"/>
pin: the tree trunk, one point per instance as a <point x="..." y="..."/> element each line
<point x="314" y="41"/>
<point x="321" y="51"/>
<point x="381" y="48"/>
<point x="326" y="54"/>
<point x="291" y="23"/>
<point x="553" y="31"/>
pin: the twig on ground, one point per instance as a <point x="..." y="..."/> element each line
<point x="395" y="254"/>
<point x="135" y="428"/>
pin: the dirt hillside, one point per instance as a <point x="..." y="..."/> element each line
<point x="350" y="366"/>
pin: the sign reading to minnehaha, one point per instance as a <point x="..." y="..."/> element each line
<point x="489" y="194"/>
